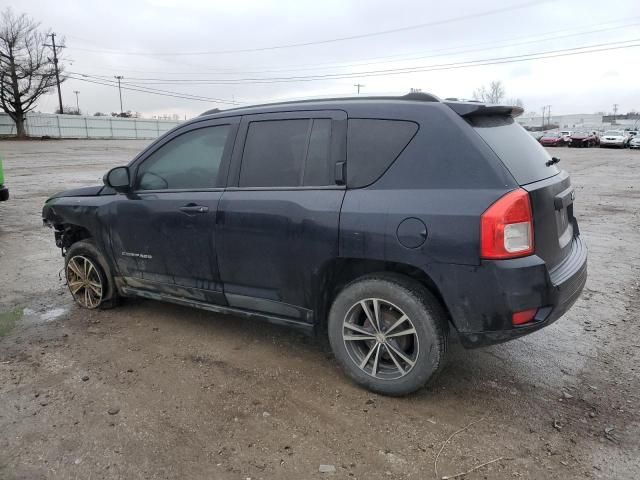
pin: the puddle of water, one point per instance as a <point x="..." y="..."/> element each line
<point x="9" y="319"/>
<point x="53" y="314"/>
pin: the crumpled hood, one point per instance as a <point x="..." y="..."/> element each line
<point x="79" y="192"/>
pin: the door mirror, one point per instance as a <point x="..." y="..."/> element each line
<point x="118" y="179"/>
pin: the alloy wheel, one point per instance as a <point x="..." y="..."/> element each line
<point x="380" y="339"/>
<point x="84" y="281"/>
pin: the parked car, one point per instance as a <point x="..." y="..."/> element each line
<point x="566" y="134"/>
<point x="554" y="139"/>
<point x="380" y="223"/>
<point x="583" y="139"/>
<point x="614" y="138"/>
<point x="4" y="191"/>
<point x="635" y="142"/>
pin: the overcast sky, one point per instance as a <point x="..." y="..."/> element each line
<point x="132" y="38"/>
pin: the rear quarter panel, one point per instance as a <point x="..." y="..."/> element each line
<point x="446" y="177"/>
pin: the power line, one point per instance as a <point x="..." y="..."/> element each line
<point x="594" y="48"/>
<point x="405" y="57"/>
<point x="153" y="92"/>
<point x="330" y="40"/>
<point x="151" y="89"/>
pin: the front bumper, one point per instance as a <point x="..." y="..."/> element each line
<point x="4" y="193"/>
<point x="481" y="301"/>
<point x="612" y="143"/>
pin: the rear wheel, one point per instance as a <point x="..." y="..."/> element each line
<point x="87" y="278"/>
<point x="388" y="333"/>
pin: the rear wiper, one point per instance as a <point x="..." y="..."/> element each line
<point x="553" y="161"/>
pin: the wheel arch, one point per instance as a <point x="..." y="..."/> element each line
<point x="339" y="272"/>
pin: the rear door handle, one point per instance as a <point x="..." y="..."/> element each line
<point x="190" y="209"/>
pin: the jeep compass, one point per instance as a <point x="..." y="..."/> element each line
<point x="380" y="223"/>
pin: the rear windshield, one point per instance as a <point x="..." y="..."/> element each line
<point x="520" y="152"/>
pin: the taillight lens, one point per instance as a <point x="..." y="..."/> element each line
<point x="523" y="317"/>
<point x="506" y="227"/>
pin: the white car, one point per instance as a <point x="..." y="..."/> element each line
<point x="614" y="138"/>
<point x="566" y="134"/>
<point x="635" y="142"/>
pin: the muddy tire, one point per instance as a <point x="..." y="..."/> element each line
<point x="388" y="333"/>
<point x="88" y="277"/>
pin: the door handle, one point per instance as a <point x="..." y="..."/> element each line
<point x="191" y="209"/>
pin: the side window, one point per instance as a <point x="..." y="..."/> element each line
<point x="273" y="153"/>
<point x="372" y="146"/>
<point x="318" y="167"/>
<point x="287" y="153"/>
<point x="191" y="160"/>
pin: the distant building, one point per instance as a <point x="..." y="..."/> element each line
<point x="581" y="121"/>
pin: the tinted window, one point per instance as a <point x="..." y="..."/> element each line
<point x="521" y="154"/>
<point x="191" y="160"/>
<point x="318" y="169"/>
<point x="273" y="153"/>
<point x="372" y="146"/>
<point x="287" y="153"/>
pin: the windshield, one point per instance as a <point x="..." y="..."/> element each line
<point x="613" y="133"/>
<point x="524" y="157"/>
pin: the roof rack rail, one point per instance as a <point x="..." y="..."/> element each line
<point x="414" y="96"/>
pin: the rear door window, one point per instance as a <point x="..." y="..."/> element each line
<point x="287" y="153"/>
<point x="318" y="168"/>
<point x="372" y="146"/>
<point x="524" y="157"/>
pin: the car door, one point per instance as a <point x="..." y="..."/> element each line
<point x="163" y="234"/>
<point x="278" y="218"/>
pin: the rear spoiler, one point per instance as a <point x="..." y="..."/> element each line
<point x="474" y="109"/>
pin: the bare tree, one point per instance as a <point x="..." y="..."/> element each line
<point x="493" y="94"/>
<point x="25" y="71"/>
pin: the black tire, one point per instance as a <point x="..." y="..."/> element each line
<point x="85" y="250"/>
<point x="426" y="347"/>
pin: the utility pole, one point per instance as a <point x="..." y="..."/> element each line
<point x="119" y="77"/>
<point x="77" y="103"/>
<point x="615" y="112"/>
<point x="55" y="65"/>
<point x="544" y="109"/>
<point x="358" y="86"/>
<point x="549" y="114"/>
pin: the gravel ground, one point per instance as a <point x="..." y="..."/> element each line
<point x="152" y="390"/>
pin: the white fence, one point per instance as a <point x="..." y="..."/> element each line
<point x="76" y="126"/>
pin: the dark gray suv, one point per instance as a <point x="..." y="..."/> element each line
<point x="380" y="223"/>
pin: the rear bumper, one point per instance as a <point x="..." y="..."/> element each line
<point x="4" y="193"/>
<point x="482" y="300"/>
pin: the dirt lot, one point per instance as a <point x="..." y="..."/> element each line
<point x="152" y="390"/>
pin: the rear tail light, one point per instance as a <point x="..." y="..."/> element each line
<point x="525" y="316"/>
<point x="506" y="227"/>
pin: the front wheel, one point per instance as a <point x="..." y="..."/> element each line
<point x="388" y="333"/>
<point x="87" y="277"/>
